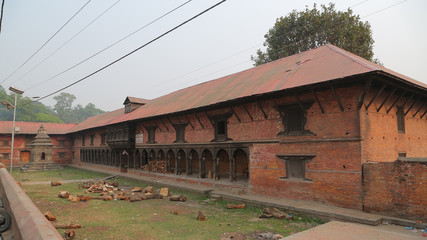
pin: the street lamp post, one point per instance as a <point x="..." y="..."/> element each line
<point x="10" y="106"/>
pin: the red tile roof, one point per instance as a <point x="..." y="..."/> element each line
<point x="33" y="127"/>
<point x="318" y="65"/>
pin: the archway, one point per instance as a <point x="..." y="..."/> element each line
<point x="152" y="161"/>
<point x="161" y="162"/>
<point x="193" y="168"/>
<point x="181" y="162"/>
<point x="207" y="165"/>
<point x="241" y="165"/>
<point x="223" y="165"/>
<point x="124" y="162"/>
<point x="144" y="163"/>
<point x="137" y="159"/>
<point x="170" y="162"/>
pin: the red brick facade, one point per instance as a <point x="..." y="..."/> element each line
<point x="62" y="149"/>
<point x="396" y="188"/>
<point x="306" y="127"/>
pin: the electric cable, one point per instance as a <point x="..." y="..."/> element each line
<point x="106" y="48"/>
<point x="278" y="51"/>
<point x="384" y="9"/>
<point x="1" y="16"/>
<point x="46" y="42"/>
<point x="133" y="51"/>
<point x="74" y="36"/>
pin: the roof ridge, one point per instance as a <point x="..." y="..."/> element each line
<point x="351" y="57"/>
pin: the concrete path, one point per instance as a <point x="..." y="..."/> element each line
<point x="353" y="231"/>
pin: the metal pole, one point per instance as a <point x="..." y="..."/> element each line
<point x="13" y="135"/>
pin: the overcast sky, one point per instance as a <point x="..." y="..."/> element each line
<point x="216" y="44"/>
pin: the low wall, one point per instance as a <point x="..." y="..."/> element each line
<point x="27" y="221"/>
<point x="396" y="188"/>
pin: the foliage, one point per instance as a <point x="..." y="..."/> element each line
<point x="311" y="28"/>
<point x="26" y="110"/>
<point x="29" y="111"/>
<point x="67" y="113"/>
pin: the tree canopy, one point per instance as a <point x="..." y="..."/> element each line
<point x="311" y="28"/>
<point x="29" y="111"/>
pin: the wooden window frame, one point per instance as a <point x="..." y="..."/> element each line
<point x="180" y="133"/>
<point x="400" y="118"/>
<point x="287" y="112"/>
<point x="291" y="160"/>
<point x="151" y="134"/>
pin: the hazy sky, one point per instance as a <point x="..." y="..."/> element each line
<point x="214" y="45"/>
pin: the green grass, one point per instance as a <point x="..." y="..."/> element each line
<point x="154" y="219"/>
<point x="68" y="173"/>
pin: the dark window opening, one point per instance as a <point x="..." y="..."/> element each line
<point x="5" y="143"/>
<point x="5" y="156"/>
<point x="402" y="154"/>
<point x="221" y="130"/>
<point x="83" y="140"/>
<point x="151" y="134"/>
<point x="221" y="125"/>
<point x="43" y="156"/>
<point x="296" y="166"/>
<point x="180" y="132"/>
<point x="92" y="137"/>
<point x="294" y="119"/>
<point x="400" y="120"/>
<point x="62" y="155"/>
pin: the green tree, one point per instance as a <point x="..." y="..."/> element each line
<point x="311" y="28"/>
<point x="26" y="110"/>
<point x="66" y="112"/>
<point x="64" y="102"/>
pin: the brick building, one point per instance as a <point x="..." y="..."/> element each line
<point x="307" y="127"/>
<point x="24" y="136"/>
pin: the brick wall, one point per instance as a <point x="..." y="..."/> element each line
<point x="396" y="188"/>
<point x="22" y="144"/>
<point x="382" y="140"/>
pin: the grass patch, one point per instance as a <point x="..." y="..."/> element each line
<point x="153" y="219"/>
<point x="68" y="173"/>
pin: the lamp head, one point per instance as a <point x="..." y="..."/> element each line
<point x="16" y="90"/>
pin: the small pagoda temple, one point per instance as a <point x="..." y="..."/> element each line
<point x="41" y="153"/>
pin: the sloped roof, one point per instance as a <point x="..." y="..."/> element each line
<point x="317" y="65"/>
<point x="33" y="127"/>
<point x="98" y="121"/>
<point x="136" y="100"/>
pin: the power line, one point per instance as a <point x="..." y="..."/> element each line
<point x="46" y="42"/>
<point x="357" y="4"/>
<point x="278" y="51"/>
<point x="1" y="16"/>
<point x="111" y="45"/>
<point x="384" y="9"/>
<point x="75" y="35"/>
<point x="135" y="50"/>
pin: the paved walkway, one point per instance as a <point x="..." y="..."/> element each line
<point x="353" y="231"/>
<point x="375" y="229"/>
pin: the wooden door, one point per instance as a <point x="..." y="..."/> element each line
<point x="25" y="157"/>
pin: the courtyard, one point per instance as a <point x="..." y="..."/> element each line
<point x="150" y="219"/>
